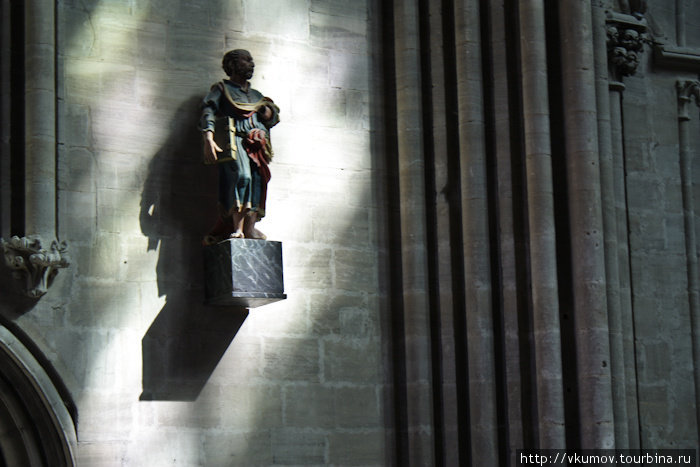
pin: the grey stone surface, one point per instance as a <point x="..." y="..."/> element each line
<point x="291" y="359"/>
<point x="298" y="447"/>
<point x="320" y="414"/>
<point x="356" y="449"/>
<point x="658" y="258"/>
<point x="225" y="449"/>
<point x="350" y="362"/>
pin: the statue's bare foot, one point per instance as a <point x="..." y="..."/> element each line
<point x="255" y="234"/>
<point x="237" y="235"/>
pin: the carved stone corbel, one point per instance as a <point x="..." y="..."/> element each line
<point x="687" y="89"/>
<point x="626" y="39"/>
<point x="32" y="265"/>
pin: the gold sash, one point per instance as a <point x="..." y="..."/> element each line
<point x="225" y="127"/>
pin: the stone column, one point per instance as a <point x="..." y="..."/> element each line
<point x="617" y="356"/>
<point x="447" y="421"/>
<point x="680" y="23"/>
<point x="37" y="257"/>
<point x="414" y="265"/>
<point x="587" y="254"/>
<point x="509" y="296"/>
<point x="40" y="119"/>
<point x="625" y="291"/>
<point x="5" y="178"/>
<point x="542" y="237"/>
<point x="619" y="42"/>
<point x="475" y="232"/>
<point x="687" y="90"/>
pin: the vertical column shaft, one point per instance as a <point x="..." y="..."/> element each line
<point x="680" y="23"/>
<point x="507" y="250"/>
<point x="686" y="90"/>
<point x="5" y="95"/>
<point x="588" y="260"/>
<point x="449" y="413"/>
<point x="413" y="233"/>
<point x="475" y="227"/>
<point x="617" y="356"/>
<point x="40" y="119"/>
<point x="625" y="290"/>
<point x="542" y="238"/>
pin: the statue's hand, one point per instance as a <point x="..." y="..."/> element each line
<point x="211" y="149"/>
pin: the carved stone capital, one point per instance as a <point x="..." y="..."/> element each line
<point x="626" y="36"/>
<point x="32" y="265"/>
<point x="687" y="90"/>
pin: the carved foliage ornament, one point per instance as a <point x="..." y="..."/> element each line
<point x="34" y="266"/>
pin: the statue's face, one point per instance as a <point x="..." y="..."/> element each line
<point x="244" y="66"/>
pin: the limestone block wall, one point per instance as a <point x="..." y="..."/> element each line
<point x="660" y="235"/>
<point x="658" y="262"/>
<point x="156" y="377"/>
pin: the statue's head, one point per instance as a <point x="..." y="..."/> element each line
<point x="239" y="63"/>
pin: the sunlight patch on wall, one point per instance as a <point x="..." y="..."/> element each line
<point x="105" y="80"/>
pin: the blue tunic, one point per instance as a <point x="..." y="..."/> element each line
<point x="240" y="184"/>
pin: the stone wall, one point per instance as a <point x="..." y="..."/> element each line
<point x="157" y="377"/>
<point x="659" y="259"/>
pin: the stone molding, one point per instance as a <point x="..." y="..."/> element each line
<point x="34" y="395"/>
<point x="681" y="58"/>
<point x="33" y="266"/>
<point x="627" y="35"/>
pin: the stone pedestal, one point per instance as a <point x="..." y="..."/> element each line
<point x="242" y="272"/>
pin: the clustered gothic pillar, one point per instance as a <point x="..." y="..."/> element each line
<point x="510" y="135"/>
<point x="36" y="257"/>
<point x="475" y="233"/>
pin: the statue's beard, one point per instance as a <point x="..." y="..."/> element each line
<point x="247" y="74"/>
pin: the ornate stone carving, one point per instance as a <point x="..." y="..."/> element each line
<point x="626" y="39"/>
<point x="34" y="266"/>
<point x="687" y="89"/>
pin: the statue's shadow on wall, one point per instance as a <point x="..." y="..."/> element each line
<point x="178" y="205"/>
